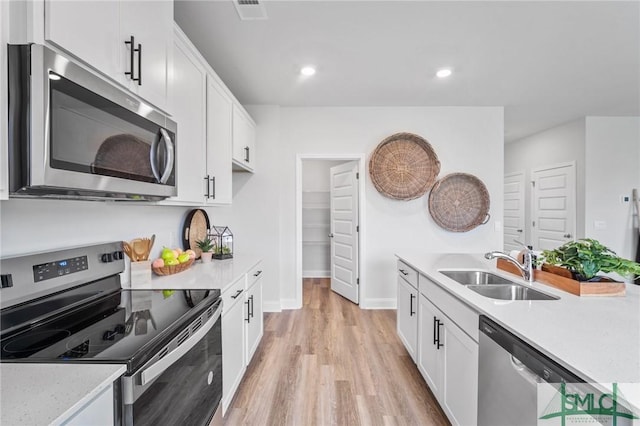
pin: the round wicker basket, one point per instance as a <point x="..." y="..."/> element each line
<point x="404" y="166"/>
<point x="173" y="269"/>
<point x="459" y="202"/>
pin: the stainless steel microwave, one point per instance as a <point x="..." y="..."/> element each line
<point x="75" y="135"/>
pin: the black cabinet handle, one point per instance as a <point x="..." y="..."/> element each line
<point x="257" y="273"/>
<point x="139" y="64"/>
<point x="132" y="52"/>
<point x="213" y="186"/>
<point x="435" y="330"/>
<point x="246" y="154"/>
<point x="248" y="318"/>
<point x="438" y="344"/>
<point x="238" y="293"/>
<point x="206" y="182"/>
<point x="411" y="311"/>
<point x="403" y="272"/>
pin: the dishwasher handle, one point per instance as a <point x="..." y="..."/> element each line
<point x="526" y="373"/>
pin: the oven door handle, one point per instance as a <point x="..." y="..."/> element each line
<point x="150" y="373"/>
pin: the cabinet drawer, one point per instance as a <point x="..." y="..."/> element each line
<point x="233" y="294"/>
<point x="464" y="317"/>
<point x="408" y="273"/>
<point x="254" y="275"/>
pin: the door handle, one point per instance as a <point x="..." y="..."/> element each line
<point x="567" y="235"/>
<point x="248" y="318"/>
<point x="403" y="272"/>
<point x="213" y="187"/>
<point x="238" y="293"/>
<point x="519" y="230"/>
<point x="246" y="154"/>
<point x="132" y="52"/>
<point x="331" y="235"/>
<point x="169" y="156"/>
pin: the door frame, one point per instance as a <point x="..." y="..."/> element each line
<point x="523" y="190"/>
<point x="362" y="255"/>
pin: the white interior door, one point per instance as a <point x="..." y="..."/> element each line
<point x="344" y="230"/>
<point x="553" y="205"/>
<point x="513" y="211"/>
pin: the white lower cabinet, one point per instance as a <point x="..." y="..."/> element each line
<point x="253" y="312"/>
<point x="448" y="361"/>
<point x="440" y="333"/>
<point x="98" y="411"/>
<point x="233" y="338"/>
<point x="242" y="329"/>
<point x="407" y="317"/>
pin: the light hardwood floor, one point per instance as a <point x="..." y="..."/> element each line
<point x="332" y="363"/>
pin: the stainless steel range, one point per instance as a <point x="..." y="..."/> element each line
<point x="68" y="306"/>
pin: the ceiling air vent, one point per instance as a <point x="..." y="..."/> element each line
<point x="250" y="9"/>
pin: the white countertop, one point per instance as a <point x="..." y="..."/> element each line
<point x="42" y="394"/>
<point x="217" y="274"/>
<point x="597" y="338"/>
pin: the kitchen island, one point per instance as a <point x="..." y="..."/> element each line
<point x="597" y="338"/>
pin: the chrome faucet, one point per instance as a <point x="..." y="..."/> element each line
<point x="526" y="270"/>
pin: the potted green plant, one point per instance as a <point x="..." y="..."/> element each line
<point x="585" y="258"/>
<point x="206" y="246"/>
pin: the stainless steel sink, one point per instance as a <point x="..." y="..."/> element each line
<point x="510" y="292"/>
<point x="494" y="286"/>
<point x="476" y="277"/>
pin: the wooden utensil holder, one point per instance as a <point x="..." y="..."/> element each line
<point x="561" y="281"/>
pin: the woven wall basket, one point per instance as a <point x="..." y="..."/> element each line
<point x="459" y="202"/>
<point x="404" y="166"/>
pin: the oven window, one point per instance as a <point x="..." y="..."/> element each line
<point x="189" y="391"/>
<point x="91" y="134"/>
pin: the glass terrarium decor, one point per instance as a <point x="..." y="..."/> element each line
<point x="222" y="238"/>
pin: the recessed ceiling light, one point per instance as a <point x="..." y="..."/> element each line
<point x="443" y="73"/>
<point x="308" y="70"/>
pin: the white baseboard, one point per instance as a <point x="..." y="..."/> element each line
<point x="289" y="304"/>
<point x="316" y="274"/>
<point x="271" y="307"/>
<point x="379" y="304"/>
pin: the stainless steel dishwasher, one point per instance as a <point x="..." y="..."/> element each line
<point x="509" y="372"/>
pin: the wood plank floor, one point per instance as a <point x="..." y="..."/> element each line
<point x="332" y="363"/>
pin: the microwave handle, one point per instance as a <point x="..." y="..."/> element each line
<point x="165" y="362"/>
<point x="169" y="156"/>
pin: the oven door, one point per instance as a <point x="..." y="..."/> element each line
<point x="74" y="134"/>
<point x="182" y="384"/>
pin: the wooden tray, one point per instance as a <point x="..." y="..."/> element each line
<point x="579" y="288"/>
<point x="196" y="227"/>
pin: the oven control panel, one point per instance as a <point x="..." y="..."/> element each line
<point x="46" y="271"/>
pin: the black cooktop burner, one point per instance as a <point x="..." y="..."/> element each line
<point x="30" y="342"/>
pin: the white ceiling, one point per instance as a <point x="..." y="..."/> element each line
<point x="546" y="62"/>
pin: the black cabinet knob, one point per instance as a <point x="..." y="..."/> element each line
<point x="7" y="280"/>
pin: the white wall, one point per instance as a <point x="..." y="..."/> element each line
<point x="556" y="145"/>
<point x="468" y="139"/>
<point x="30" y="225"/>
<point x="612" y="171"/>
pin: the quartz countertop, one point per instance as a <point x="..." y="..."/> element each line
<point x="217" y="274"/>
<point x="42" y="394"/>
<point x="597" y="338"/>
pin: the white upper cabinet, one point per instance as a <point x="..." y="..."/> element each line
<point x="188" y="100"/>
<point x="100" y="34"/>
<point x="244" y="140"/>
<point x="219" y="110"/>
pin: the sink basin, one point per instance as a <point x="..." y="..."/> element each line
<point x="476" y="277"/>
<point x="510" y="292"/>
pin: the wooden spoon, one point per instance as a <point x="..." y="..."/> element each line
<point x="128" y="250"/>
<point x="139" y="249"/>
